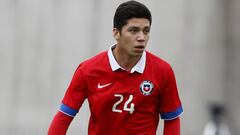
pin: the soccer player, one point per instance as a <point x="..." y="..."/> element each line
<point x="127" y="87"/>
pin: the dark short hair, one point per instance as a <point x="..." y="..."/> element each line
<point x="128" y="10"/>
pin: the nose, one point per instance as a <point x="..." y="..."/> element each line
<point x="141" y="37"/>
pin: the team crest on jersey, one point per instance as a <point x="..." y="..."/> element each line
<point x="146" y="88"/>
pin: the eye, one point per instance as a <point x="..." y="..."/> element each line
<point x="146" y="31"/>
<point x="133" y="30"/>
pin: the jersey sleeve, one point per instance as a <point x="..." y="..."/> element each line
<point x="75" y="94"/>
<point x="170" y="104"/>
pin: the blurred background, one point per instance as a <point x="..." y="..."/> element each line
<point x="43" y="41"/>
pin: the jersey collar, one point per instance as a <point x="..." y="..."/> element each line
<point x="139" y="67"/>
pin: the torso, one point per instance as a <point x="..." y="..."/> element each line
<point x="122" y="102"/>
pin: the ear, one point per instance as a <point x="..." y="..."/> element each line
<point x="116" y="34"/>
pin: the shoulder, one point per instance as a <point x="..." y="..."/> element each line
<point x="157" y="62"/>
<point x="99" y="58"/>
<point x="162" y="70"/>
<point x="159" y="67"/>
<point x="95" y="61"/>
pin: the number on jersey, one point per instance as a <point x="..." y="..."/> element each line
<point x="130" y="109"/>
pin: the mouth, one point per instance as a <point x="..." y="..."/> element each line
<point x="139" y="48"/>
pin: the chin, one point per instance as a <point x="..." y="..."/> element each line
<point x="137" y="54"/>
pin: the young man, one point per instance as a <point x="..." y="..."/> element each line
<point x="126" y="87"/>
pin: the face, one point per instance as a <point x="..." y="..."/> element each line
<point x="133" y="37"/>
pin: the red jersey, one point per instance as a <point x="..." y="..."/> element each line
<point x="123" y="102"/>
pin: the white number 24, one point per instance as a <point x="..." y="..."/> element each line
<point x="125" y="108"/>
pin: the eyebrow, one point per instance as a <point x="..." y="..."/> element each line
<point x="136" y="27"/>
<point x="133" y="27"/>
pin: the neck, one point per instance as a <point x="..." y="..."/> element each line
<point x="125" y="60"/>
